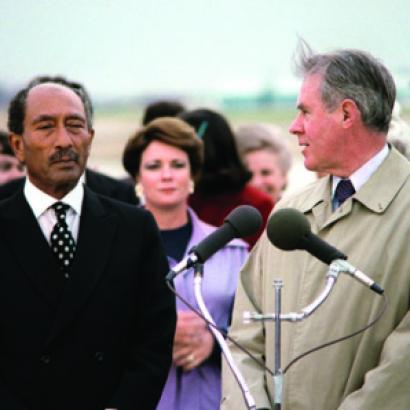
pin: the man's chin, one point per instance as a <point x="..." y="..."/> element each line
<point x="309" y="166"/>
<point x="67" y="174"/>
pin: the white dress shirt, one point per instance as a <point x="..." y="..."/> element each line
<point x="40" y="203"/>
<point x="361" y="175"/>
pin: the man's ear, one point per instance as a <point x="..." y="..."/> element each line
<point x="17" y="144"/>
<point x="350" y="113"/>
<point x="91" y="133"/>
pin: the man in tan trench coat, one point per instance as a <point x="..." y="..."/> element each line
<point x="345" y="107"/>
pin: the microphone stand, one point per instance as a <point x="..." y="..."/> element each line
<point x="334" y="270"/>
<point x="278" y="375"/>
<point x="198" y="274"/>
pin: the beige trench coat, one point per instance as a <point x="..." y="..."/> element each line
<point x="368" y="372"/>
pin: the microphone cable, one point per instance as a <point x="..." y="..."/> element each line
<point x="339" y="339"/>
<point x="297" y="358"/>
<point x="220" y="330"/>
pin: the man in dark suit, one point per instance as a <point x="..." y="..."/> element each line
<point x="88" y="325"/>
<point x="98" y="182"/>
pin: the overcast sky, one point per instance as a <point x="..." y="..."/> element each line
<point x="130" y="47"/>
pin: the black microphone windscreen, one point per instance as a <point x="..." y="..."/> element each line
<point x="286" y="228"/>
<point x="215" y="241"/>
<point x="245" y="219"/>
<point x="242" y="221"/>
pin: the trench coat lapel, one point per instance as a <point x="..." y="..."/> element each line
<point x="95" y="240"/>
<point x="374" y="196"/>
<point x="30" y="248"/>
<point x="320" y="205"/>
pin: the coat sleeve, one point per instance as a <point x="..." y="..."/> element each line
<point x="142" y="385"/>
<point x="387" y="385"/>
<point x="251" y="337"/>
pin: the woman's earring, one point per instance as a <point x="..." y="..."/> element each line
<point x="140" y="193"/>
<point x="191" y="187"/>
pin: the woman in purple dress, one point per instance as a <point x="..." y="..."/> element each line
<point x="165" y="159"/>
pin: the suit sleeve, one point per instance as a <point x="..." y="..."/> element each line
<point x="129" y="194"/>
<point x="387" y="385"/>
<point x="7" y="401"/>
<point x="152" y="352"/>
<point x="250" y="336"/>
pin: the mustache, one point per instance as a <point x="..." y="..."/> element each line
<point x="63" y="154"/>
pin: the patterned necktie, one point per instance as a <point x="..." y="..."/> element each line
<point x="344" y="190"/>
<point x="61" y="239"/>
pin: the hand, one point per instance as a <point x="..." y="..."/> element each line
<point x="193" y="341"/>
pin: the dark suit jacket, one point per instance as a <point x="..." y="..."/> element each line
<point x="106" y="185"/>
<point x="103" y="337"/>
<point x="98" y="182"/>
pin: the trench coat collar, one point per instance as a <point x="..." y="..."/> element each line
<point x="376" y="194"/>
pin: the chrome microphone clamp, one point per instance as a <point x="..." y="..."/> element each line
<point x="331" y="278"/>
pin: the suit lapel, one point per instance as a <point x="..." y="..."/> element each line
<point x="95" y="239"/>
<point x="31" y="249"/>
<point x="93" y="181"/>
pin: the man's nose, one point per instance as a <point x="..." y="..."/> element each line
<point x="63" y="138"/>
<point x="296" y="127"/>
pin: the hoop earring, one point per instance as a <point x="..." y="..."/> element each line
<point x="191" y="187"/>
<point x="140" y="193"/>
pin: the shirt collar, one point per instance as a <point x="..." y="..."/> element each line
<point x="82" y="178"/>
<point x="361" y="175"/>
<point x="39" y="201"/>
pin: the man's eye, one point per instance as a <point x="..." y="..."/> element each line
<point x="44" y="126"/>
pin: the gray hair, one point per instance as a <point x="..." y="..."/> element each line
<point x="399" y="133"/>
<point x="354" y="75"/>
<point x="258" y="136"/>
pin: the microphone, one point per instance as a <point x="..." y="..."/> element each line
<point x="288" y="229"/>
<point x="243" y="221"/>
